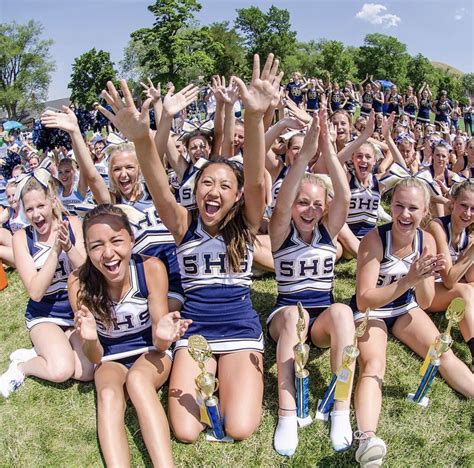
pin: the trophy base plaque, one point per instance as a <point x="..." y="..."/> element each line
<point x="423" y="403"/>
<point x="320" y="416"/>
<point x="303" y="422"/>
<point x="210" y="437"/>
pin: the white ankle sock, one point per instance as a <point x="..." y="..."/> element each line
<point x="286" y="435"/>
<point x="341" y="431"/>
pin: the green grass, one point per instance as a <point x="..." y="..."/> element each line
<point x="46" y="424"/>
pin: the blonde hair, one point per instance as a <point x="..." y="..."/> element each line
<point x="414" y="182"/>
<point x="127" y="147"/>
<point x="49" y="192"/>
<point x="320" y="180"/>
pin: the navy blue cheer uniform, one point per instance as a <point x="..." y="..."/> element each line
<point x="442" y="109"/>
<point x="363" y="207"/>
<point x="378" y="105"/>
<point x="54" y="307"/>
<point x="394" y="103"/>
<point x="305" y="272"/>
<point x="393" y="269"/>
<point x="131" y="332"/>
<point x="367" y="103"/>
<point x="312" y="100"/>
<point x="216" y="298"/>
<point x="152" y="238"/>
<point x="295" y="92"/>
<point x="424" y="111"/>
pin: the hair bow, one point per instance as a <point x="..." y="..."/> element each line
<point x="113" y="140"/>
<point x="134" y="216"/>
<point x="196" y="126"/>
<point x="397" y="172"/>
<point x="40" y="174"/>
<point x="458" y="179"/>
<point x="404" y="136"/>
<point x="441" y="142"/>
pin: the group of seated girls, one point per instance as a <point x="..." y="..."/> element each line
<point x="114" y="298"/>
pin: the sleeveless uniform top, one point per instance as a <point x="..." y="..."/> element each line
<point x="305" y="272"/>
<point x="336" y="98"/>
<point x="102" y="168"/>
<point x="463" y="242"/>
<point x="465" y="165"/>
<point x="410" y="107"/>
<point x="294" y="92"/>
<point x="363" y="207"/>
<point x="367" y="103"/>
<point x="131" y="332"/>
<point x="276" y="186"/>
<point x="186" y="190"/>
<point x="54" y="307"/>
<point x="15" y="223"/>
<point x="217" y="299"/>
<point x="153" y="239"/>
<point x="392" y="269"/>
<point x="69" y="201"/>
<point x="424" y="111"/>
<point x="378" y="106"/>
<point x="443" y="109"/>
<point x="312" y="100"/>
<point x="394" y="104"/>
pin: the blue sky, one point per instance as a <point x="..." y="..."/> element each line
<point x="442" y="30"/>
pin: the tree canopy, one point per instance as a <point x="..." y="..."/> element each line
<point x="25" y="67"/>
<point x="90" y="73"/>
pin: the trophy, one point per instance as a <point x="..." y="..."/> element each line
<point x="341" y="382"/>
<point x="301" y="351"/>
<point x="442" y="343"/>
<point x="206" y="385"/>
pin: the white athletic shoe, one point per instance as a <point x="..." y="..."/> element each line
<point x="23" y="355"/>
<point x="11" y="380"/>
<point x="371" y="452"/>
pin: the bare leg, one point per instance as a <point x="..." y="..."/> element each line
<point x="6" y="248"/>
<point x="349" y="242"/>
<point x="182" y="406"/>
<point x="417" y="331"/>
<point x="109" y="383"/>
<point x="148" y="374"/>
<point x="241" y="392"/>
<point x="83" y="368"/>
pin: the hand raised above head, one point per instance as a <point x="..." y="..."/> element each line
<point x="263" y="87"/>
<point x="66" y="120"/>
<point x="175" y="103"/>
<point x="125" y="116"/>
<point x="152" y="92"/>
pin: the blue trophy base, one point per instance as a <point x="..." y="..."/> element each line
<point x="321" y="416"/>
<point x="423" y="403"/>
<point x="210" y="437"/>
<point x="303" y="422"/>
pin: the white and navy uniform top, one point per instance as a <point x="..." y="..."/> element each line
<point x="152" y="238"/>
<point x="102" y="168"/>
<point x="276" y="186"/>
<point x="216" y="298"/>
<point x="295" y="92"/>
<point x="443" y="111"/>
<point x="305" y="272"/>
<point x="465" y="165"/>
<point x="185" y="193"/>
<point x="410" y="107"/>
<point x="424" y="111"/>
<point x="463" y="242"/>
<point x="378" y="105"/>
<point x="312" y="99"/>
<point x="364" y="204"/>
<point x="367" y="103"/>
<point x="392" y="269"/>
<point x="336" y="99"/>
<point x="54" y="307"/>
<point x="394" y="102"/>
<point x="15" y="222"/>
<point x="69" y="201"/>
<point x="131" y="332"/>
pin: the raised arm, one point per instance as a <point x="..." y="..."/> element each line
<point x="67" y="121"/>
<point x="256" y="99"/>
<point x="345" y="154"/>
<point x="393" y="148"/>
<point x="281" y="216"/>
<point x="136" y="127"/>
<point x="337" y="213"/>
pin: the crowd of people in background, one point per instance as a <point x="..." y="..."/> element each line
<point x="135" y="226"/>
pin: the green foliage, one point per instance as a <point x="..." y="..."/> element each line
<point x="266" y="32"/>
<point x="90" y="73"/>
<point x="25" y="67"/>
<point x="467" y="82"/>
<point x="419" y="71"/>
<point x="450" y="83"/>
<point x="384" y="57"/>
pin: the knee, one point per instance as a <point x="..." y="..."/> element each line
<point x="239" y="428"/>
<point x="289" y="318"/>
<point x="108" y="397"/>
<point x="60" y="371"/>
<point x="373" y="368"/>
<point x="135" y="382"/>
<point x="465" y="290"/>
<point x="186" y="433"/>
<point x="342" y="317"/>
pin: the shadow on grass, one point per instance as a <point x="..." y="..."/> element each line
<point x="82" y="387"/>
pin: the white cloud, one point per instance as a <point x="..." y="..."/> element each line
<point x="459" y="14"/>
<point x="373" y="13"/>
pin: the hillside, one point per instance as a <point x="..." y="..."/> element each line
<point x="448" y="68"/>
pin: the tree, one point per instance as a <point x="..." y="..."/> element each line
<point x="266" y="32"/>
<point x="90" y="73"/>
<point x="467" y="82"/>
<point x="420" y="70"/>
<point x="384" y="57"/>
<point x="336" y="59"/>
<point x="25" y="67"/>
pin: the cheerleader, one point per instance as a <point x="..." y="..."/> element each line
<point x="453" y="236"/>
<point x="336" y="99"/>
<point x="395" y="279"/>
<point x="410" y="103"/>
<point x="303" y="234"/>
<point x="71" y="192"/>
<point x="442" y="108"/>
<point x="393" y="101"/>
<point x="121" y="314"/>
<point x="214" y="245"/>
<point x="465" y="164"/>
<point x="45" y="253"/>
<point x="125" y="187"/>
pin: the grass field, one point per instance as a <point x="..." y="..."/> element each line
<point x="46" y="424"/>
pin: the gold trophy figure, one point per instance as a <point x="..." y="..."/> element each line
<point x="341" y="381"/>
<point x="206" y="384"/>
<point x="429" y="369"/>
<point x="301" y="352"/>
